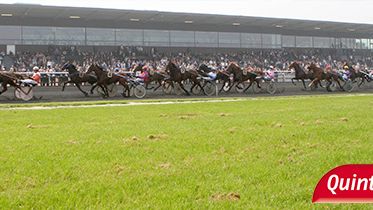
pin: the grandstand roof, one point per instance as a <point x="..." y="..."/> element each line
<point x="38" y="15"/>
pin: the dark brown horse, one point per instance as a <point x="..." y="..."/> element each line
<point x="223" y="76"/>
<point x="105" y="78"/>
<point x="354" y="75"/>
<point x="364" y="77"/>
<point x="300" y="74"/>
<point x="77" y="78"/>
<point x="153" y="76"/>
<point x="319" y="74"/>
<point x="11" y="79"/>
<point x="240" y="76"/>
<point x="176" y="75"/>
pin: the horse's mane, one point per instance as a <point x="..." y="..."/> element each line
<point x="234" y="65"/>
<point x="138" y="67"/>
<point x="173" y="69"/>
<point x="298" y="69"/>
<point x="203" y="67"/>
<point x="71" y="68"/>
<point x="314" y="68"/>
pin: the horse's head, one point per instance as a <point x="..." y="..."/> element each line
<point x="293" y="65"/>
<point x="94" y="68"/>
<point x="311" y="67"/>
<point x="203" y="67"/>
<point x="173" y="70"/>
<point x="65" y="66"/>
<point x="171" y="66"/>
<point x="70" y="68"/>
<point x="138" y="68"/>
<point x="259" y="71"/>
<point x="233" y="68"/>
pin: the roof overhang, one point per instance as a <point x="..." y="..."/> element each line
<point x="38" y="15"/>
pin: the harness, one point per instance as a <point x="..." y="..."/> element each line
<point x="244" y="72"/>
<point x="109" y="74"/>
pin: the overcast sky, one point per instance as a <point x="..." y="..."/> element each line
<point x="353" y="11"/>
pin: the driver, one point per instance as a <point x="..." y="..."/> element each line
<point x="36" y="76"/>
<point x="144" y="74"/>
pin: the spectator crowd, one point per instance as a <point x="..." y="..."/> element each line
<point x="124" y="58"/>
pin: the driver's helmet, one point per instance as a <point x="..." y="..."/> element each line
<point x="36" y="69"/>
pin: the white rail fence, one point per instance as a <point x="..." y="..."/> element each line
<point x="57" y="78"/>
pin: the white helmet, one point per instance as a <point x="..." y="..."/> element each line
<point x="35" y="68"/>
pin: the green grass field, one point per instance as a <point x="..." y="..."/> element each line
<point x="253" y="154"/>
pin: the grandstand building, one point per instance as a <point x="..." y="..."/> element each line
<point x="25" y="26"/>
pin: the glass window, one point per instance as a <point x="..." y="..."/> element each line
<point x="206" y="39"/>
<point x="100" y="36"/>
<point x="288" y="41"/>
<point x="38" y="33"/>
<point x="182" y="38"/>
<point x="156" y="38"/>
<point x="131" y="37"/>
<point x="357" y="44"/>
<point x="371" y="44"/>
<point x="322" y="42"/>
<point x="251" y="40"/>
<point x="271" y="41"/>
<point x="229" y="40"/>
<point x="10" y="34"/>
<point x="72" y="36"/>
<point x="364" y="43"/>
<point x="304" y="41"/>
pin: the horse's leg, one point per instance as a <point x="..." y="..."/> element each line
<point x="339" y="84"/>
<point x="104" y="90"/>
<point x="78" y="86"/>
<point x="93" y="87"/>
<point x="224" y="82"/>
<point x="147" y="84"/>
<point x="362" y="81"/>
<point x="258" y="83"/>
<point x="199" y="85"/>
<point x="194" y="84"/>
<point x="231" y="86"/>
<point x="182" y="87"/>
<point x="312" y="82"/>
<point x="222" y="87"/>
<point x="160" y="84"/>
<point x="5" y="88"/>
<point x="292" y="80"/>
<point x="250" y="84"/>
<point x="320" y="84"/>
<point x="304" y="84"/>
<point x="64" y="85"/>
<point x="126" y="88"/>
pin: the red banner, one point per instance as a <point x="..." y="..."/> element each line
<point x="346" y="184"/>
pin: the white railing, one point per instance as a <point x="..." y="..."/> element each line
<point x="55" y="77"/>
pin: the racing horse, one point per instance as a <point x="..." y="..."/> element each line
<point x="365" y="76"/>
<point x="153" y="76"/>
<point x="11" y="79"/>
<point x="176" y="75"/>
<point x="240" y="76"/>
<point x="354" y="75"/>
<point x="204" y="70"/>
<point x="105" y="78"/>
<point x="77" y="78"/>
<point x="319" y="75"/>
<point x="300" y="74"/>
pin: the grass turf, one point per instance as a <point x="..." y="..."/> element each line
<point x="252" y="154"/>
